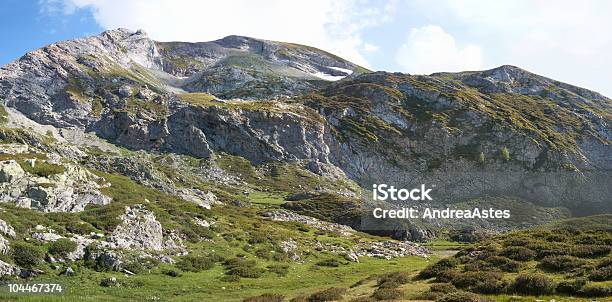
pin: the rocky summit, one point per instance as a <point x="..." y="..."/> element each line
<point x="119" y="153"/>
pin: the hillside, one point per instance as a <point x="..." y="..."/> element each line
<point x="244" y="166"/>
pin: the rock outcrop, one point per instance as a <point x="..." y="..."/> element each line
<point x="139" y="230"/>
<point x="6" y="229"/>
<point x="284" y="215"/>
<point x="499" y="132"/>
<point x="52" y="188"/>
<point x="8" y="269"/>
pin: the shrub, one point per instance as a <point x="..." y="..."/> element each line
<point x="443" y="288"/>
<point x="264" y="253"/>
<point x="243" y="268"/>
<point x="279" y="269"/>
<point x="258" y="238"/>
<point x="246" y="271"/>
<point x="490" y="286"/>
<point x="266" y="298"/>
<point x="435" y="269"/>
<point x="447" y="276"/>
<point x="195" y="263"/>
<point x="331" y="262"/>
<point x="593" y="290"/>
<point x="330" y="294"/>
<point x="387" y="294"/>
<point x="26" y="255"/>
<point x="238" y="261"/>
<point x="216" y="258"/>
<point x="466" y="235"/>
<point x="604" y="262"/>
<point x="108" y="282"/>
<point x="601" y="273"/>
<point x="505" y="153"/>
<point x="79" y="227"/>
<point x="504" y="264"/>
<point x="484" y="281"/>
<point x="62" y="247"/>
<point x="570" y="287"/>
<point x="362" y="299"/>
<point x="518" y="253"/>
<point x="590" y="251"/>
<point x="171" y="273"/>
<point x="533" y="284"/>
<point x="135" y="267"/>
<point x="461" y="296"/>
<point x="299" y="299"/>
<point x="230" y="278"/>
<point x="560" y="263"/>
<point x="393" y="280"/>
<point x="477" y="266"/>
<point x="43" y="169"/>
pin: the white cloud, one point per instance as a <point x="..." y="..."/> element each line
<point x="367" y="47"/>
<point x="566" y="40"/>
<point x="334" y="26"/>
<point x="430" y="49"/>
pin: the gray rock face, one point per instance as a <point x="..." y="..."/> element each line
<point x="202" y="199"/>
<point x="376" y="249"/>
<point x="6" y="229"/>
<point x="47" y="237"/>
<point x="53" y="85"/>
<point x="290" y="247"/>
<point x="374" y="127"/>
<point x="108" y="258"/>
<point x="80" y="251"/>
<point x="8" y="269"/>
<point x="257" y="135"/>
<point x="4" y="246"/>
<point x="136" y="167"/>
<point x="139" y="230"/>
<point x="67" y="191"/>
<point x="10" y="171"/>
<point x="284" y="215"/>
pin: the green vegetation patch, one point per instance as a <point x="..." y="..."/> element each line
<point x="531" y="262"/>
<point x="42" y="168"/>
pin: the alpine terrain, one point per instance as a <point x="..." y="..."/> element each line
<point x="242" y="169"/>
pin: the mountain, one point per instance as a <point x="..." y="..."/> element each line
<point x="373" y="127"/>
<point x="131" y="148"/>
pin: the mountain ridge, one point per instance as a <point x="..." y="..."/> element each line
<point x="241" y="169"/>
<point x="257" y="99"/>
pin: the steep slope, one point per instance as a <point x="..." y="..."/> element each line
<point x="242" y="67"/>
<point x="129" y="163"/>
<point x="499" y="132"/>
<point x="408" y="130"/>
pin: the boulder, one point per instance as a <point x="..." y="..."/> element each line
<point x="69" y="272"/>
<point x="139" y="229"/>
<point x="8" y="269"/>
<point x="47" y="237"/>
<point x="125" y="91"/>
<point x="106" y="258"/>
<point x="6" y="229"/>
<point x="4" y="246"/>
<point x="10" y="171"/>
<point x="199" y="197"/>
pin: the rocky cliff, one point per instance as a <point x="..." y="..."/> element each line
<point x="503" y="131"/>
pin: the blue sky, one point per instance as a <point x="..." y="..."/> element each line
<point x="564" y="40"/>
<point x="25" y="26"/>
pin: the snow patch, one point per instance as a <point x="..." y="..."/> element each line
<point x="329" y="77"/>
<point x="347" y="71"/>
